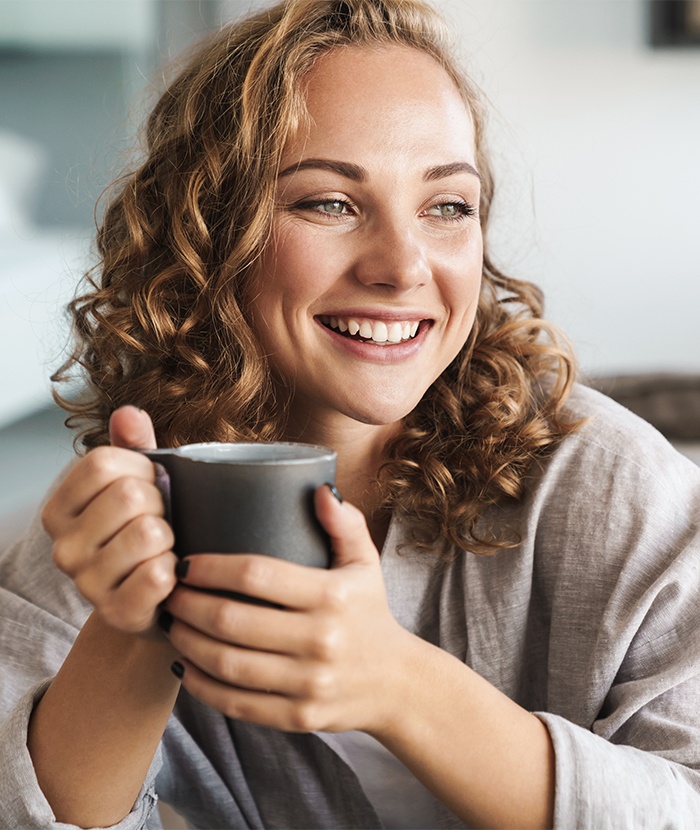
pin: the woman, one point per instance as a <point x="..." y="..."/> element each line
<point x="301" y="257"/>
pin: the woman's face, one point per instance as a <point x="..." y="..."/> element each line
<point x="369" y="285"/>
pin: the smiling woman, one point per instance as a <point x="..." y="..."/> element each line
<point x="512" y="602"/>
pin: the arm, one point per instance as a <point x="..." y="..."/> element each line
<point x="335" y="659"/>
<point x="93" y="735"/>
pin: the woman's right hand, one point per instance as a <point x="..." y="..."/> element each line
<point x="106" y="520"/>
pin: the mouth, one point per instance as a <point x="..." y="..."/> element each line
<point x="378" y="332"/>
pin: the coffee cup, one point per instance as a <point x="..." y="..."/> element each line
<point x="247" y="498"/>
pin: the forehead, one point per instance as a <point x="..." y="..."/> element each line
<point x="389" y="98"/>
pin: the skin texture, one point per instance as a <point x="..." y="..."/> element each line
<point x="377" y="229"/>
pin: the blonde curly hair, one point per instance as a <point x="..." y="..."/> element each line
<point x="162" y="322"/>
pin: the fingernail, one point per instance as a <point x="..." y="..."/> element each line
<point x="178" y="670"/>
<point x="335" y="492"/>
<point x="181" y="568"/>
<point x="165" y="621"/>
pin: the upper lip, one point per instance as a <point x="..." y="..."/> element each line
<point x="392" y="315"/>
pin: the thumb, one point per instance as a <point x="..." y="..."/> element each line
<point x="131" y="428"/>
<point x="347" y="528"/>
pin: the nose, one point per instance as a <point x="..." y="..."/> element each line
<point x="393" y="256"/>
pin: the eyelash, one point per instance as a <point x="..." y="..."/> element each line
<point x="317" y="203"/>
<point x="466" y="210"/>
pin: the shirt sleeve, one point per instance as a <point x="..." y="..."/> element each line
<point x="23" y="805"/>
<point x="40" y="617"/>
<point x="624" y="667"/>
<point x="603" y="785"/>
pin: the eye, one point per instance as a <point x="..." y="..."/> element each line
<point x="335" y="207"/>
<point x="451" y="210"/>
<point x="326" y="207"/>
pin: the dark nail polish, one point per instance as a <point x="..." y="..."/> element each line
<point x="181" y="568"/>
<point x="165" y="621"/>
<point x="335" y="492"/>
<point x="178" y="670"/>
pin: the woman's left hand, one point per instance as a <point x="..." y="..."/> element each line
<point x="323" y="661"/>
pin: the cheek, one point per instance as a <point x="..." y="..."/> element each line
<point x="295" y="270"/>
<point x="463" y="287"/>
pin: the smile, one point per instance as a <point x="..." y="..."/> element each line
<point x="376" y="331"/>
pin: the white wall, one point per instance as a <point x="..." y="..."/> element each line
<point x="598" y="159"/>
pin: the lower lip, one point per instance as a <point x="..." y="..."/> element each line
<point x="366" y="350"/>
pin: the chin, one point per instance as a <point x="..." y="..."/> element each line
<point x="381" y="413"/>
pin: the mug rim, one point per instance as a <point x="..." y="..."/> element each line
<point x="306" y="453"/>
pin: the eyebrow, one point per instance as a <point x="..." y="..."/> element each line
<point x="343" y="168"/>
<point x="442" y="171"/>
<point x="358" y="174"/>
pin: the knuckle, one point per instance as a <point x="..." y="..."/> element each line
<point x="237" y="710"/>
<point x="48" y="516"/>
<point x="151" y="533"/>
<point x="325" y="641"/>
<point x="319" y="685"/>
<point x="225" y="665"/>
<point x="156" y="576"/>
<point x="305" y="717"/>
<point x="335" y="594"/>
<point x="62" y="556"/>
<point x="102" y="462"/>
<point x="255" y="574"/>
<point x="86" y="587"/>
<point x="130" y="494"/>
<point x="223" y="617"/>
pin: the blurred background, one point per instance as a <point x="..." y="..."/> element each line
<point x="596" y="139"/>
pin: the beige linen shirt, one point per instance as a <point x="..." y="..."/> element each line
<point x="592" y="622"/>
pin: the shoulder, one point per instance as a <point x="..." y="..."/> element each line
<point x="615" y="446"/>
<point x="615" y="496"/>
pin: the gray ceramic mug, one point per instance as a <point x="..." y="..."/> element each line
<point x="248" y="498"/>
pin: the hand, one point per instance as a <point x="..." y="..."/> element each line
<point x="322" y="662"/>
<point x="106" y="522"/>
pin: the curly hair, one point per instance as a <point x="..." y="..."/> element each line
<point x="162" y="322"/>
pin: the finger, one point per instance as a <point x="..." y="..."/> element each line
<point x="90" y="476"/>
<point x="261" y="707"/>
<point x="120" y="504"/>
<point x="116" y="506"/>
<point x="239" y="623"/>
<point x="131" y="427"/>
<point x="236" y="666"/>
<point x="347" y="528"/>
<point x="144" y="538"/>
<point x="263" y="577"/>
<point x="133" y="606"/>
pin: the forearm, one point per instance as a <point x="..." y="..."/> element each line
<point x="490" y="761"/>
<point x="93" y="735"/>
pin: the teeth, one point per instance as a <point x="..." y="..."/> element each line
<point x="366" y="330"/>
<point x="395" y="333"/>
<point x="375" y="330"/>
<point x="380" y="333"/>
